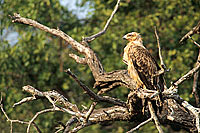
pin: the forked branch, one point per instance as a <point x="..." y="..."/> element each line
<point x="16" y="121"/>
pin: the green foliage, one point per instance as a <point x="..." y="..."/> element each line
<point x="39" y="58"/>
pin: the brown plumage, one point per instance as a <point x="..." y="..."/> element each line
<point x="141" y="65"/>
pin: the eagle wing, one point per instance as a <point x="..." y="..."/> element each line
<point x="146" y="67"/>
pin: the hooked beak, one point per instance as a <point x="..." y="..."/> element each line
<point x="124" y="37"/>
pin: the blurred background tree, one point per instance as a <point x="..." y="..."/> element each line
<point x="30" y="56"/>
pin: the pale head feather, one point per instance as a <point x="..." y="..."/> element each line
<point x="134" y="37"/>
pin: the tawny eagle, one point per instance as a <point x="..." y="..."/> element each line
<point x="142" y="67"/>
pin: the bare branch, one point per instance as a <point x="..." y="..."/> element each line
<point x="113" y="79"/>
<point x="163" y="67"/>
<point x="69" y="123"/>
<point x="59" y="129"/>
<point x="24" y="100"/>
<point x="77" y="46"/>
<point x="91" y="38"/>
<point x="93" y="95"/>
<point x="140" y="125"/>
<point x="22" y="122"/>
<point x="37" y="114"/>
<point x="194" y="42"/>
<point x="16" y="121"/>
<point x="195" y="30"/>
<point x="76" y="129"/>
<point x="195" y="83"/>
<point x="153" y="115"/>
<point x="70" y="108"/>
<point x="92" y="60"/>
<point x="87" y="115"/>
<point x="185" y="77"/>
<point x="37" y="128"/>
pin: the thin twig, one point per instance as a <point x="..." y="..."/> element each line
<point x="24" y="100"/>
<point x="37" y="128"/>
<point x="195" y="30"/>
<point x="16" y="121"/>
<point x="153" y="115"/>
<point x="185" y="77"/>
<point x="69" y="123"/>
<point x="87" y="115"/>
<point x="194" y="41"/>
<point x="195" y="89"/>
<point x="195" y="83"/>
<point x="1" y="101"/>
<point x="60" y="129"/>
<point x="76" y="129"/>
<point x="91" y="38"/>
<point x="140" y="125"/>
<point x="163" y="67"/>
<point x="37" y="114"/>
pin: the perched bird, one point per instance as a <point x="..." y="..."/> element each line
<point x="142" y="67"/>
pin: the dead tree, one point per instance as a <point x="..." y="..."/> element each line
<point x="174" y="111"/>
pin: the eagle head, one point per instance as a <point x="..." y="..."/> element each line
<point x="133" y="36"/>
